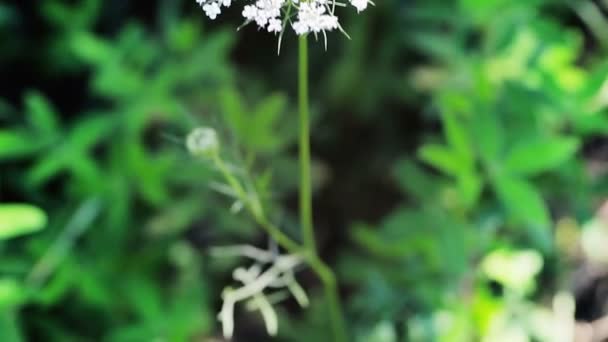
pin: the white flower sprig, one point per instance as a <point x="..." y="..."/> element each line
<point x="279" y="274"/>
<point x="305" y="16"/>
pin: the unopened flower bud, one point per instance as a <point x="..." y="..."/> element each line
<point x="203" y="142"/>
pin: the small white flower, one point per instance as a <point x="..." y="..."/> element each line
<point x="212" y="10"/>
<point x="250" y="12"/>
<point x="274" y="25"/>
<point x="300" y="28"/>
<point x="360" y="5"/>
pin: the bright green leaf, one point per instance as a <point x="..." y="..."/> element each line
<point x="14" y="144"/>
<point x="539" y="156"/>
<point x="470" y="186"/>
<point x="11" y="293"/>
<point x="20" y="219"/>
<point x="441" y="158"/>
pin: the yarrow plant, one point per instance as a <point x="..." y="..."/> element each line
<point x="312" y="16"/>
<point x="305" y="17"/>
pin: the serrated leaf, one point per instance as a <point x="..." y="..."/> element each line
<point x="535" y="157"/>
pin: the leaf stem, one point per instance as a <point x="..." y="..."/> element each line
<point x="253" y="205"/>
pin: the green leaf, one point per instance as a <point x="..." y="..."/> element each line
<point x="90" y="48"/>
<point x="11" y="293"/>
<point x="441" y="158"/>
<point x="470" y="186"/>
<point x="414" y="181"/>
<point x="48" y="167"/>
<point x="41" y="114"/>
<point x="16" y="144"/>
<point x="457" y="136"/>
<point x="265" y="120"/>
<point x="20" y="219"/>
<point x="232" y="109"/>
<point x="90" y="131"/>
<point x="255" y="129"/>
<point x="590" y="124"/>
<point x="489" y="136"/>
<point x="539" y="156"/>
<point x="522" y="200"/>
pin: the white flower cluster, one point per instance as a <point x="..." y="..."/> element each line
<point x="315" y="16"/>
<point x="305" y="16"/>
<point x="266" y="14"/>
<point x="213" y="7"/>
<point x="278" y="274"/>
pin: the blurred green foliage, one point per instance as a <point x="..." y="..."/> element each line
<point x="476" y="115"/>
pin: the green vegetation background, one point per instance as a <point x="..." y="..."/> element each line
<point x="459" y="163"/>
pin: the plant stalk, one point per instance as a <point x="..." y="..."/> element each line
<point x="324" y="273"/>
<point x="306" y="221"/>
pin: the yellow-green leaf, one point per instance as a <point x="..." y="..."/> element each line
<point x="20" y="219"/>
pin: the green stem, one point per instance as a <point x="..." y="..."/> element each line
<point x="324" y="273"/>
<point x="330" y="285"/>
<point x="254" y="206"/>
<point x="305" y="183"/>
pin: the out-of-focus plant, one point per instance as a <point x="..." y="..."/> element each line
<point x="20" y="219"/>
<point x="15" y="220"/>
<point x="120" y="199"/>
<point x="515" y="107"/>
